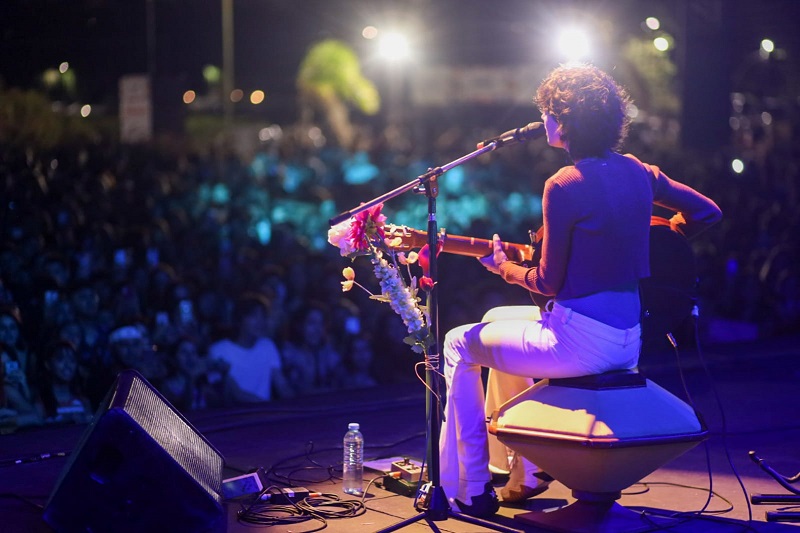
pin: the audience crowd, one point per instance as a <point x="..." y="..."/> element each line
<point x="211" y="276"/>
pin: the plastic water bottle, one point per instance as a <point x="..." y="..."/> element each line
<point x="353" y="461"/>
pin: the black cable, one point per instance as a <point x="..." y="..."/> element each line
<point x="682" y="519"/>
<point x="648" y="484"/>
<point x="24" y="499"/>
<point x="722" y="417"/>
<point x="703" y="512"/>
<point x="266" y="514"/>
<point x="274" y="475"/>
<point x="330" y="506"/>
<point x="320" y="508"/>
<point x="420" y="482"/>
<point x="691" y="401"/>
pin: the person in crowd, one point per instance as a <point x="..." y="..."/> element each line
<point x="86" y="307"/>
<point x="129" y="347"/>
<point x="19" y="402"/>
<point x="255" y="372"/>
<point x="11" y="335"/>
<point x="311" y="362"/>
<point x="594" y="251"/>
<point x="358" y="363"/>
<point x="61" y="399"/>
<point x="189" y="384"/>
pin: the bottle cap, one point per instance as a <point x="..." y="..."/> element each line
<point x="353" y="426"/>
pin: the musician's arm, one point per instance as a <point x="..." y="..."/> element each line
<point x="694" y="212"/>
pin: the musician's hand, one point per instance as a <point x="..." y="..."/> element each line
<point x="492" y="261"/>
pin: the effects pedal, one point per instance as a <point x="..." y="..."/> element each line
<point x="404" y="477"/>
<point x="409" y="471"/>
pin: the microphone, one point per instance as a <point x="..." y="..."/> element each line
<point x="534" y="130"/>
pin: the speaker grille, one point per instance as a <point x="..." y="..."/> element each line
<point x="190" y="450"/>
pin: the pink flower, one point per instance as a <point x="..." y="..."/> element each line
<point x="366" y="224"/>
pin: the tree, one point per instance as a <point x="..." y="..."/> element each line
<point x="329" y="81"/>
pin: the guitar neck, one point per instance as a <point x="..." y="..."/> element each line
<point x="470" y="246"/>
<point x="405" y="239"/>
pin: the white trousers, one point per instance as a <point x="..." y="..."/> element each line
<point x="557" y="344"/>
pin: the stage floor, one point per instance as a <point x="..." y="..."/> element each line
<point x="300" y="443"/>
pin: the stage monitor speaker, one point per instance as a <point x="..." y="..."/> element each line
<point x="139" y="466"/>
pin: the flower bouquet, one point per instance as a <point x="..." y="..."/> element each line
<point x="365" y="234"/>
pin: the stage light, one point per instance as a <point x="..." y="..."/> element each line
<point x="573" y="44"/>
<point x="661" y="44"/>
<point x="652" y="23"/>
<point x="86" y="110"/>
<point x="189" y="97"/>
<point x="737" y="165"/>
<point x="394" y="47"/>
<point x="237" y="95"/>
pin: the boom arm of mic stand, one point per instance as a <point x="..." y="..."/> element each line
<point x="416" y="182"/>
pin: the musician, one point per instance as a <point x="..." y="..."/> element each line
<point x="595" y="249"/>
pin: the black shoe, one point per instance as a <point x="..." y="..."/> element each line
<point x="483" y="506"/>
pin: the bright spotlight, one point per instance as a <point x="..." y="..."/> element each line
<point x="661" y="44"/>
<point x="652" y="23"/>
<point x="768" y="46"/>
<point x="573" y="43"/>
<point x="737" y="165"/>
<point x="63" y="67"/>
<point x="86" y="110"/>
<point x="189" y="97"/>
<point x="394" y="47"/>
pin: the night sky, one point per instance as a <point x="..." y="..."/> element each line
<point x="105" y="39"/>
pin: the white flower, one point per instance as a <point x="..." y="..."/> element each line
<point x="337" y="236"/>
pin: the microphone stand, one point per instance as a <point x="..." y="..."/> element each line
<point x="434" y="505"/>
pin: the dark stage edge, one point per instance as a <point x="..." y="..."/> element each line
<point x="757" y="383"/>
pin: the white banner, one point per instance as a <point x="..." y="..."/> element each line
<point x="442" y="86"/>
<point x="135" y="109"/>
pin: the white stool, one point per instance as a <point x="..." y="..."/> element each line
<point x="597" y="435"/>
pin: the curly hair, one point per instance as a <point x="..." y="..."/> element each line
<point x="589" y="106"/>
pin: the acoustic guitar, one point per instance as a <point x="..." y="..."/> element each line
<point x="668" y="295"/>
